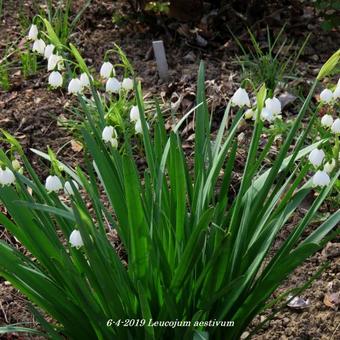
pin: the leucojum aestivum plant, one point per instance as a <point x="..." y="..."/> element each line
<point x="197" y="252"/>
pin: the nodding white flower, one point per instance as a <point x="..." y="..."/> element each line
<point x="127" y="84"/>
<point x="273" y="105"/>
<point x="336" y="126"/>
<point x="249" y="114"/>
<point x="327" y="120"/>
<point x="326" y="95"/>
<point x="321" y="178"/>
<point x="240" y="98"/>
<point x="329" y="166"/>
<point x="33" y="32"/>
<point x="55" y="79"/>
<point x="316" y="157"/>
<point x="138" y="126"/>
<point x="39" y="46"/>
<point x="267" y="115"/>
<point x="84" y="78"/>
<point x="113" y="85"/>
<point x="336" y="93"/>
<point x="48" y="50"/>
<point x="53" y="183"/>
<point x="75" y="239"/>
<point x="107" y="70"/>
<point x="6" y="176"/>
<point x="75" y="86"/>
<point x="53" y="61"/>
<point x="134" y="114"/>
<point x="109" y="135"/>
<point x="68" y="187"/>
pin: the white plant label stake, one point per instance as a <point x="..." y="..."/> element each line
<point x="162" y="64"/>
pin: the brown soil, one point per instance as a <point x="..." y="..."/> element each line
<point x="29" y="111"/>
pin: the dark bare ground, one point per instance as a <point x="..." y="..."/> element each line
<point x="29" y="111"/>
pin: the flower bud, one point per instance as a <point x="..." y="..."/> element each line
<point x="6" y="176"/>
<point x="329" y="166"/>
<point x="240" y="98"/>
<point x="273" y="105"/>
<point x="316" y="157"/>
<point x="107" y="70"/>
<point x="336" y="126"/>
<point x="68" y="187"/>
<point x="249" y="114"/>
<point x="53" y="183"/>
<point x="16" y="165"/>
<point x="113" y="85"/>
<point x="127" y="84"/>
<point x="75" y="239"/>
<point x="327" y="120"/>
<point x="55" y="79"/>
<point x="39" y="46"/>
<point x="48" y="51"/>
<point x="33" y="33"/>
<point x="321" y="179"/>
<point x="134" y="114"/>
<point x="326" y="96"/>
<point x="75" y="86"/>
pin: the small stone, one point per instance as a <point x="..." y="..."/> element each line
<point x="245" y="335"/>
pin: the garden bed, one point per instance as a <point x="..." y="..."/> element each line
<point x="29" y="111"/>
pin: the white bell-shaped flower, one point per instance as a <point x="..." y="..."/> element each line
<point x="326" y="95"/>
<point x="84" y="78"/>
<point x="138" y="126"/>
<point x="108" y="133"/>
<point x="113" y="85"/>
<point x="316" y="157"/>
<point x="329" y="166"/>
<point x="336" y="126"/>
<point x="6" y="176"/>
<point x="240" y="98"/>
<point x="39" y="46"/>
<point x="75" y="239"/>
<point x="336" y="93"/>
<point x="53" y="61"/>
<point x="134" y="114"/>
<point x="267" y="115"/>
<point x="273" y="105"/>
<point x="68" y="187"/>
<point x="321" y="178"/>
<point x="127" y="84"/>
<point x="48" y="51"/>
<point x="327" y="120"/>
<point x="33" y="32"/>
<point x="55" y="79"/>
<point x="75" y="86"/>
<point x="107" y="70"/>
<point x="53" y="183"/>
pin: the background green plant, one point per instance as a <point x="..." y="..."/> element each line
<point x="329" y="11"/>
<point x="271" y="64"/>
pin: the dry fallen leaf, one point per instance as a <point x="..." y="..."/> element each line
<point x="332" y="300"/>
<point x="76" y="146"/>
